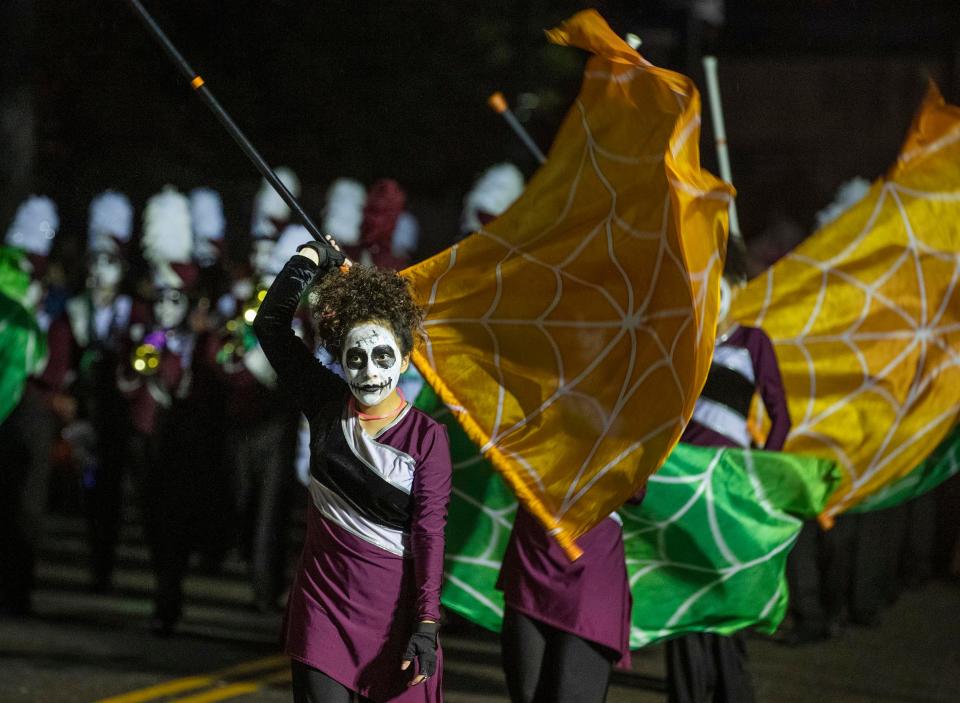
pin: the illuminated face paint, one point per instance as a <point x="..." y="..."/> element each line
<point x="170" y="308"/>
<point x="371" y="360"/>
<point x="105" y="271"/>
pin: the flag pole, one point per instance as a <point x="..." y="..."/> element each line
<point x="203" y="92"/>
<point x="720" y="138"/>
<point x="499" y="105"/>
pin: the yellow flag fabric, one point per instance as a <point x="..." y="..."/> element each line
<point x="573" y="334"/>
<point x="865" y="316"/>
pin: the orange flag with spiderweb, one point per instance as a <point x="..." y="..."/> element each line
<point x="865" y="318"/>
<point x="572" y="336"/>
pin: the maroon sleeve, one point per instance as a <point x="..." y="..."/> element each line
<point x="431" y="494"/>
<point x="60" y="358"/>
<point x="770" y="385"/>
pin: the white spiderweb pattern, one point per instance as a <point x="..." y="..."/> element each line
<point x="865" y="317"/>
<point x="574" y="321"/>
<point x="705" y="551"/>
<point x="675" y="500"/>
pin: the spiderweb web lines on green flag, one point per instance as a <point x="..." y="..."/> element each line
<point x="943" y="462"/>
<point x="707" y="549"/>
<point x="705" y="552"/>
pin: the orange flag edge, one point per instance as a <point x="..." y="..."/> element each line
<point x="561" y="532"/>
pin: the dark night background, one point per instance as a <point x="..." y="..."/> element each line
<point x="815" y="92"/>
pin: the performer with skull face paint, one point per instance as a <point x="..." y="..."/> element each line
<point x="364" y="607"/>
<point x="176" y="406"/>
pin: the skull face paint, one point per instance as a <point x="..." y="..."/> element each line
<point x="104" y="272"/>
<point x="170" y="308"/>
<point x="372" y="361"/>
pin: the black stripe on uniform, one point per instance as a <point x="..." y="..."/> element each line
<point x="730" y="388"/>
<point x="374" y="498"/>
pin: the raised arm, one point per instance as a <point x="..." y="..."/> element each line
<point x="770" y="384"/>
<point x="306" y="380"/>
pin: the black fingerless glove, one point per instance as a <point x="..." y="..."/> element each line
<point x="422" y="646"/>
<point x="327" y="257"/>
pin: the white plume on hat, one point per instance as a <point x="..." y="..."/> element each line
<point x="206" y="212"/>
<point x="167" y="235"/>
<point x="268" y="205"/>
<point x="712" y="12"/>
<point x="35" y="225"/>
<point x="111" y="221"/>
<point x="291" y="238"/>
<point x="406" y="234"/>
<point x="493" y="193"/>
<point x="343" y="213"/>
<point x="848" y="194"/>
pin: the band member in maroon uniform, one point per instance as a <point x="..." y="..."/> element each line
<point x="90" y="333"/>
<point x="175" y="402"/>
<point x="261" y="440"/>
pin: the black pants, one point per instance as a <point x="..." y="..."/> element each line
<point x="546" y="665"/>
<point x="103" y="500"/>
<point x="313" y="686"/>
<point x="707" y="668"/>
<point x="855" y="569"/>
<point x="262" y="459"/>
<point x="177" y="498"/>
<point x="168" y="525"/>
<point x="26" y="437"/>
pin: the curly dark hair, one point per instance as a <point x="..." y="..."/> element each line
<point x="365" y="294"/>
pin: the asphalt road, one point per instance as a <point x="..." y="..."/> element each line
<point x="80" y="647"/>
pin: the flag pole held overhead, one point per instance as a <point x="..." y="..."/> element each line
<point x="720" y="137"/>
<point x="203" y="92"/>
<point x="499" y="105"/>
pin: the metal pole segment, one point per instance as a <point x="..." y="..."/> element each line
<point x="197" y="83"/>
<point x="498" y="104"/>
<point x="720" y="137"/>
<point x="524" y="135"/>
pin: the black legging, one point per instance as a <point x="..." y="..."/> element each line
<point x="313" y="686"/>
<point x="707" y="668"/>
<point x="543" y="664"/>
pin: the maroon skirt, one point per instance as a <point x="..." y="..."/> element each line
<point x="351" y="612"/>
<point x="589" y="597"/>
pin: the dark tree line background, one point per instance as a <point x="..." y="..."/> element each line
<point x="370" y="89"/>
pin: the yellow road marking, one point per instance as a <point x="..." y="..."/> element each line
<point x="160" y="690"/>
<point x="240" y="688"/>
<point x="192" y="683"/>
<point x="218" y="694"/>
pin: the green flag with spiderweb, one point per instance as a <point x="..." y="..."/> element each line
<point x="943" y="462"/>
<point x="706" y="551"/>
<point x="23" y="346"/>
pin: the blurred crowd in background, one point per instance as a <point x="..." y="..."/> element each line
<point x="156" y="397"/>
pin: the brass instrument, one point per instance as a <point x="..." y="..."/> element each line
<point x="145" y="359"/>
<point x="237" y="330"/>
